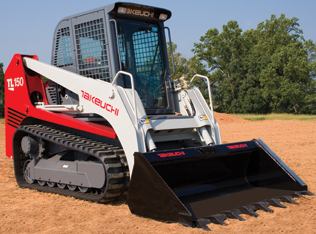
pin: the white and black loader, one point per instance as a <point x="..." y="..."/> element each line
<point x="108" y="122"/>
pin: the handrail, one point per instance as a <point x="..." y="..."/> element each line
<point x="133" y="90"/>
<point x="173" y="66"/>
<point x="117" y="42"/>
<point x="213" y="121"/>
<point x="208" y="87"/>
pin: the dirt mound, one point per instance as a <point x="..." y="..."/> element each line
<point x="227" y="118"/>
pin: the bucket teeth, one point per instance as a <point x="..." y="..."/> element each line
<point x="309" y="193"/>
<point x="202" y="223"/>
<point x="276" y="202"/>
<point x="262" y="206"/>
<point x="301" y="193"/>
<point x="288" y="199"/>
<point x="233" y="215"/>
<point x="249" y="210"/>
<point x="218" y="219"/>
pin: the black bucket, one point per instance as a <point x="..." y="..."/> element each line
<point x="195" y="186"/>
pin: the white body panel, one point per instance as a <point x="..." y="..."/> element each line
<point x="116" y="105"/>
<point x="122" y="123"/>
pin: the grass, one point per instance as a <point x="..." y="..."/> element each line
<point x="254" y="117"/>
<point x="1" y="120"/>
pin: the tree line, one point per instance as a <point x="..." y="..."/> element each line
<point x="268" y="69"/>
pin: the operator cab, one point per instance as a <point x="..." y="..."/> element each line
<point x="140" y="36"/>
<point x="140" y="55"/>
<point x="119" y="37"/>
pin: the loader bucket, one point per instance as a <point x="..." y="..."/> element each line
<point x="196" y="186"/>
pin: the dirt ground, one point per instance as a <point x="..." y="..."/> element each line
<point x="28" y="211"/>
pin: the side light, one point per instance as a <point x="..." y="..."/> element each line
<point x="144" y="120"/>
<point x="163" y="17"/>
<point x="121" y="10"/>
<point x="203" y="117"/>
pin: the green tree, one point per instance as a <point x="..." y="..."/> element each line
<point x="268" y="69"/>
<point x="1" y="91"/>
<point x="284" y="70"/>
<point x="310" y="98"/>
<point x="223" y="55"/>
<point x="181" y="65"/>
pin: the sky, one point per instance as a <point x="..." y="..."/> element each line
<point x="27" y="27"/>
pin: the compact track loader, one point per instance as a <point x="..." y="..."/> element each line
<point x="105" y="121"/>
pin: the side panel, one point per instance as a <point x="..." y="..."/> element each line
<point x="91" y="45"/>
<point x="102" y="98"/>
<point x="17" y="96"/>
<point x="81" y="45"/>
<point x="22" y="90"/>
<point x="63" y="47"/>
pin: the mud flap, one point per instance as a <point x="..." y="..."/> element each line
<point x="196" y="186"/>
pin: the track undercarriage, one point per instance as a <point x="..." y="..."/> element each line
<point x="49" y="159"/>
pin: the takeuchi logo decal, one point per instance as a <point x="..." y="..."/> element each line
<point x="100" y="103"/>
<point x="172" y="154"/>
<point x="140" y="13"/>
<point x="238" y="146"/>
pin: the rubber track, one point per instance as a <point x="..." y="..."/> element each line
<point x="112" y="157"/>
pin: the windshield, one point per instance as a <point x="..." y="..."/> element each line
<point x="141" y="55"/>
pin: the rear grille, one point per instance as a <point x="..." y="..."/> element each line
<point x="51" y="95"/>
<point x="14" y="118"/>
